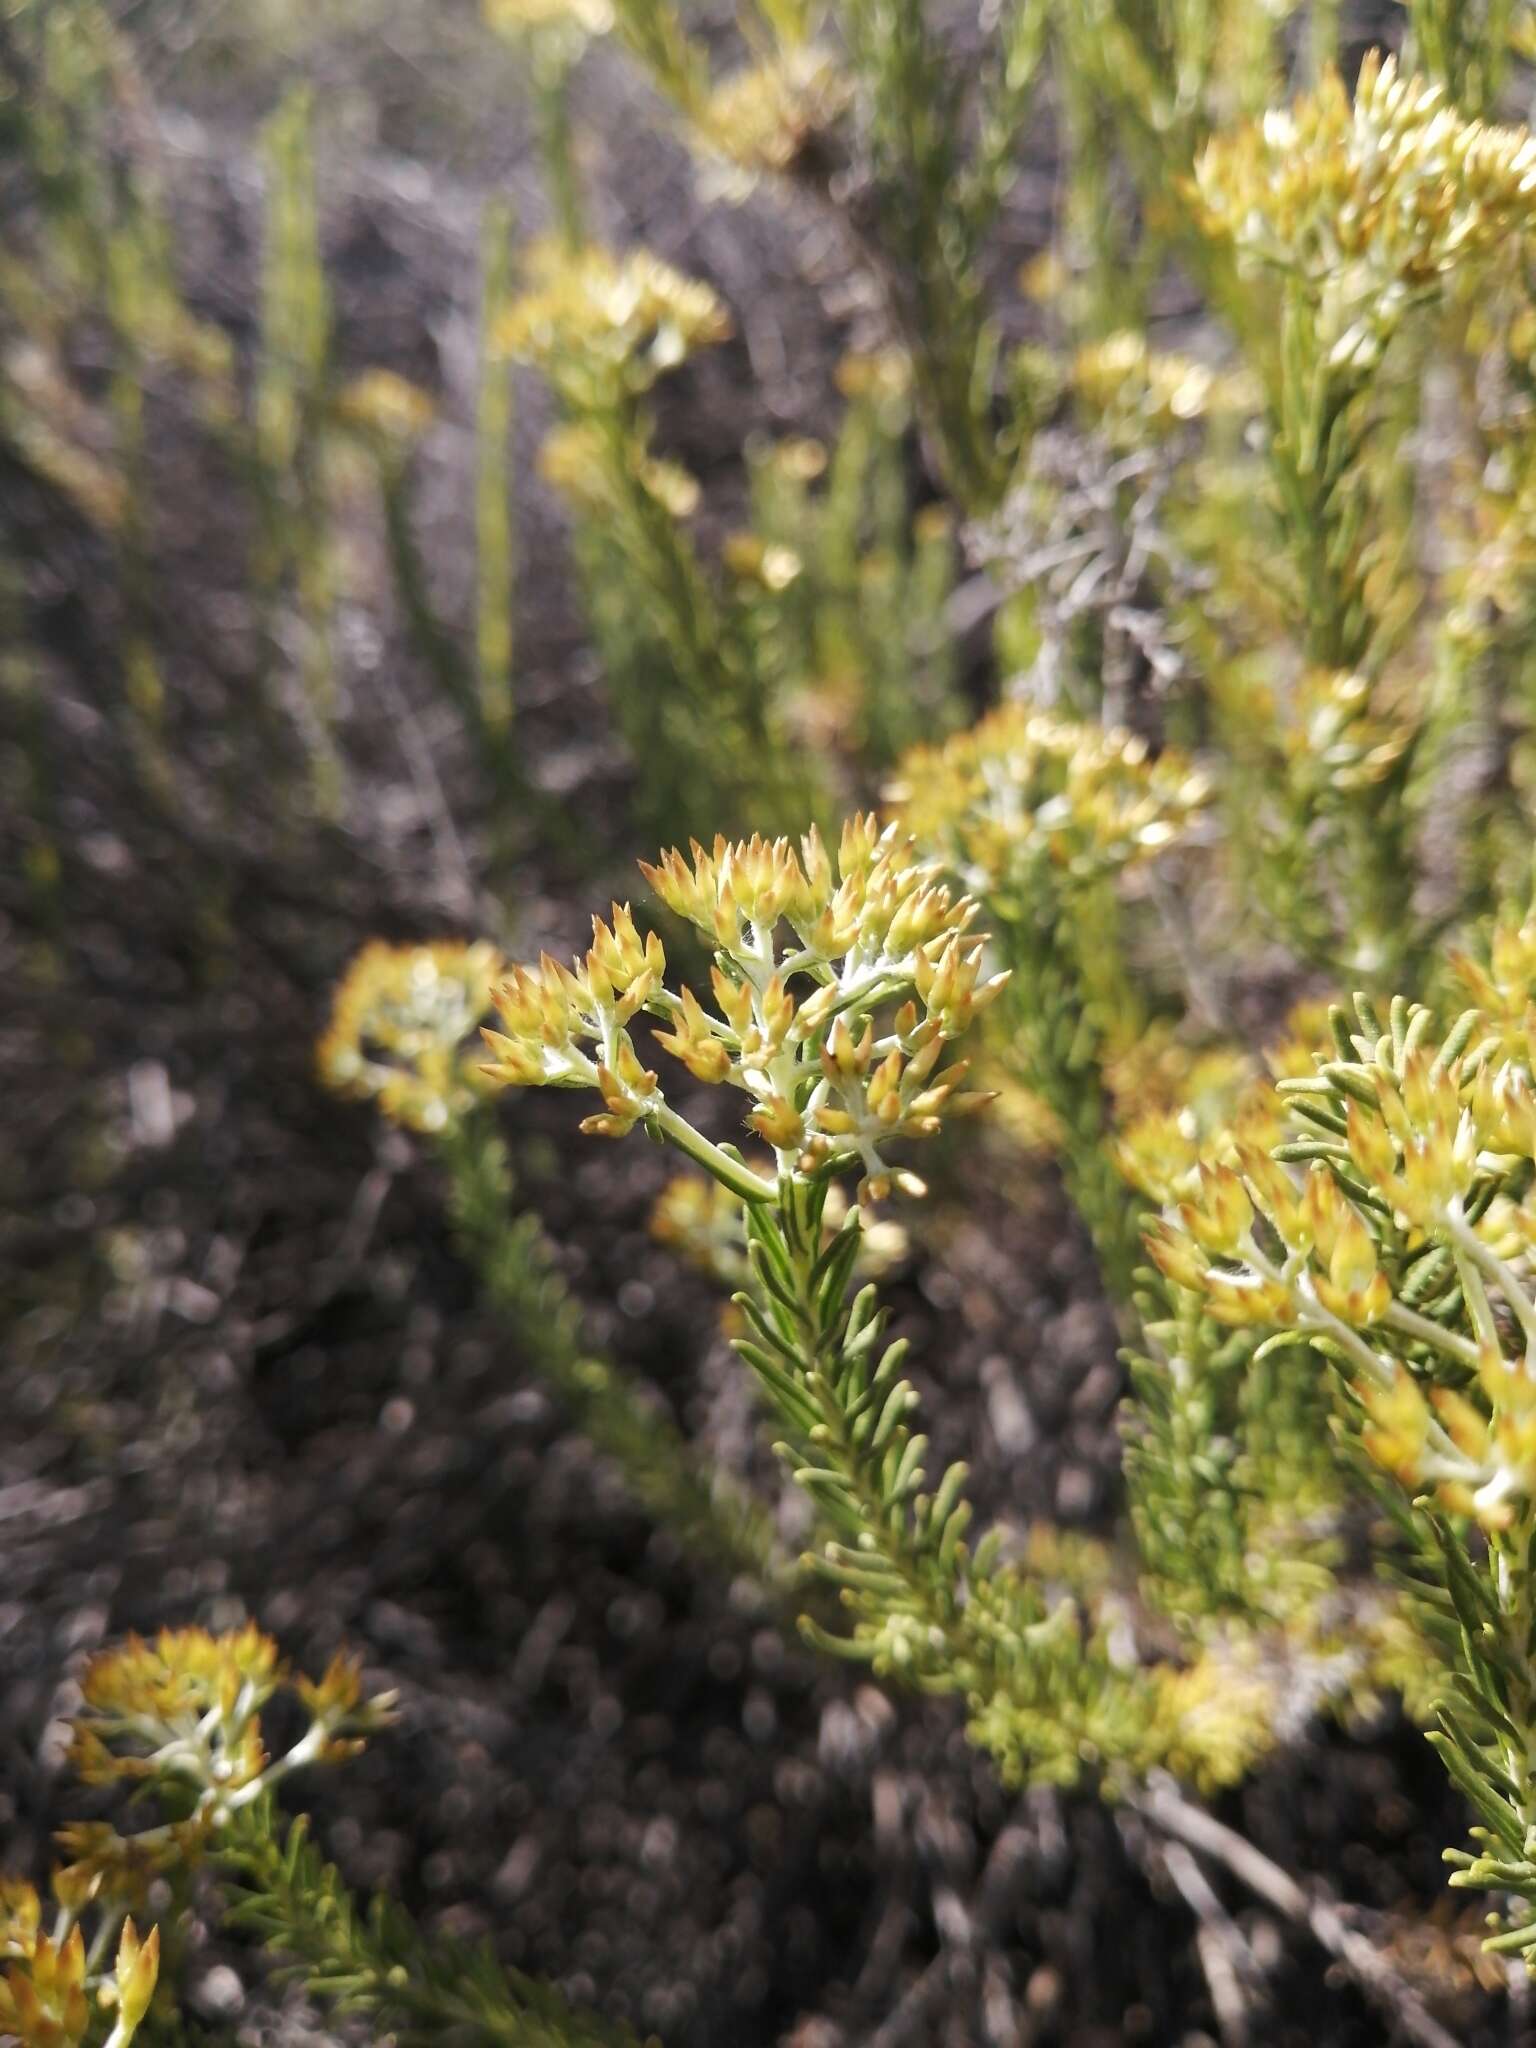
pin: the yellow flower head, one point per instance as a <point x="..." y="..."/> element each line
<point x="134" y="1978"/>
<point x="400" y="1028"/>
<point x="385" y="407"/>
<point x="577" y="458"/>
<point x="1369" y="203"/>
<point x="43" y="2002"/>
<point x="185" y="1688"/>
<point x="1305" y="1038"/>
<point x="572" y="20"/>
<point x="1340" y="733"/>
<point x="21" y="1913"/>
<point x="766" y="118"/>
<point x="1213" y="1720"/>
<point x="1024" y="787"/>
<point x="875" y="376"/>
<point x="182" y="1672"/>
<point x="813" y="957"/>
<point x="1134" y="391"/>
<point x="768" y="564"/>
<point x="1505" y="988"/>
<point x="104" y="1866"/>
<point x="595" y="323"/>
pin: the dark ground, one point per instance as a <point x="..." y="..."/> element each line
<point x="247" y="1373"/>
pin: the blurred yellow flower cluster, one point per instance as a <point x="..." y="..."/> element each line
<point x="1368" y="202"/>
<point x="1392" y="1221"/>
<point x="385" y="407"/>
<point x="578" y="459"/>
<point x="401" y="1025"/>
<point x="1136" y="391"/>
<point x="766" y="117"/>
<point x="1504" y="989"/>
<point x="1024" y="785"/>
<point x="596" y="324"/>
<point x="1214" y="1717"/>
<point x="812" y="959"/>
<point x="1172" y="1103"/>
<point x="1340" y="734"/>
<point x="525" y="17"/>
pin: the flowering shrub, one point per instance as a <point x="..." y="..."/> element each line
<point x="179" y="1721"/>
<point x="1336" y="1226"/>
<point x="1174" y="678"/>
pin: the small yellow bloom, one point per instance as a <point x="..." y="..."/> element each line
<point x="537" y="17"/>
<point x="402" y="1021"/>
<point x="765" y="118"/>
<point x="1023" y="790"/>
<point x="386" y="406"/>
<point x="779" y="1124"/>
<point x="138" y="1967"/>
<point x="1397" y="1432"/>
<point x="1354" y="1288"/>
<point x="1222" y="1215"/>
<point x="1392" y="190"/>
<point x="595" y="322"/>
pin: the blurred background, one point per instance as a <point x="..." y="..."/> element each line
<point x="298" y="648"/>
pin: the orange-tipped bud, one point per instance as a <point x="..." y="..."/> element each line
<point x="1223" y="1216"/>
<point x="1176" y="1255"/>
<point x="695" y="1044"/>
<point x="1355" y="1288"/>
<point x="779" y="1123"/>
<point x="843" y="1058"/>
<point x="1371" y="1146"/>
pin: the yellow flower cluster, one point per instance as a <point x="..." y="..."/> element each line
<point x="400" y="1028"/>
<point x="184" y="1710"/>
<point x="182" y="1672"/>
<point x="1214" y="1719"/>
<point x="1394" y="1224"/>
<point x="702" y="1222"/>
<point x="881" y="376"/>
<point x="573" y="18"/>
<point x="50" y="1983"/>
<point x="1340" y="735"/>
<point x="1173" y="1104"/>
<point x="180" y="1713"/>
<point x="1136" y="391"/>
<point x="1505" y="989"/>
<point x="597" y="324"/>
<point x="550" y="1012"/>
<point x="577" y="458"/>
<point x="1369" y="203"/>
<point x="1023" y="785"/>
<point x="187" y="1705"/>
<point x="387" y="408"/>
<point x="833" y="995"/>
<point x="765" y="118"/>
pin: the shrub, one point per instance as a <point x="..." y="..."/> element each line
<point x="1248" y="596"/>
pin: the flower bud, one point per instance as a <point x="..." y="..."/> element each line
<point x="138" y="1967"/>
